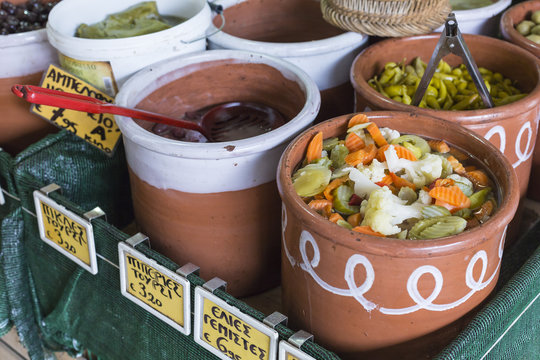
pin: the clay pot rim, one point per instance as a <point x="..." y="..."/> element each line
<point x="20" y="39"/>
<point x="390" y="246"/>
<point x="464" y="117"/>
<point x="293" y="49"/>
<point x="130" y="94"/>
<point x="508" y="30"/>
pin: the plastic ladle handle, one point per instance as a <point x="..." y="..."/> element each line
<point x="61" y="99"/>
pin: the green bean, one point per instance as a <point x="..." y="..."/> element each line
<point x="463" y="104"/>
<point x="508" y="99"/>
<point x="432" y="102"/>
<point x="450" y="87"/>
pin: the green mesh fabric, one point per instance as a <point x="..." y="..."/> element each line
<point x="508" y="327"/>
<point x="5" y="165"/>
<point x="75" y="310"/>
<point x="35" y="273"/>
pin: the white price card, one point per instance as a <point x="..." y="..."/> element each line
<point x="230" y="334"/>
<point x="65" y="231"/>
<point x="155" y="288"/>
<point x="290" y="352"/>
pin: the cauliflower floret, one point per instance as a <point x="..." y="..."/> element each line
<point x="363" y="186"/>
<point x="389" y="134"/>
<point x="360" y="131"/>
<point x="423" y="197"/>
<point x="420" y="172"/>
<point x="375" y="170"/>
<point x="385" y="210"/>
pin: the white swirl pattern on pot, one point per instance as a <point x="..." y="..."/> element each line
<point x="358" y="292"/>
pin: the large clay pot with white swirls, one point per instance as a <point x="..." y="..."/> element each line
<point x="509" y="20"/>
<point x="512" y="128"/>
<point x="358" y="293"/>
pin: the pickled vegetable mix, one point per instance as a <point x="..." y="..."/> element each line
<point x="377" y="181"/>
<point x="449" y="89"/>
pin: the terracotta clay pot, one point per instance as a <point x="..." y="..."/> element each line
<point x="24" y="58"/>
<point x="509" y="20"/>
<point x="512" y="128"/>
<point x="294" y="30"/>
<point x="513" y="16"/>
<point x="214" y="204"/>
<point x="358" y="293"/>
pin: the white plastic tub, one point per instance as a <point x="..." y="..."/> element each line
<point x="103" y="62"/>
<point x="215" y="204"/>
<point x="327" y="60"/>
<point x="24" y="57"/>
<point x="482" y="21"/>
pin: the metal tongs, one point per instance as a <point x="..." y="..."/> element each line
<point x="451" y="41"/>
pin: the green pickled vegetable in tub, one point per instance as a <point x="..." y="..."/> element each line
<point x="139" y="19"/>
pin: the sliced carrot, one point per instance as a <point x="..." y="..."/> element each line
<point x="451" y="208"/>
<point x="333" y="185"/>
<point x="439" y="146"/>
<point x="335" y="217"/>
<point x="319" y="204"/>
<point x="357" y="119"/>
<point x="478" y="178"/>
<point x="470" y="168"/>
<point x="444" y="182"/>
<point x="456" y="165"/>
<point x="386" y="180"/>
<point x="375" y="133"/>
<point x="314" y="149"/>
<point x="451" y="195"/>
<point x="354" y="142"/>
<point x="400" y="182"/>
<point x="318" y="197"/>
<point x="354" y="219"/>
<point x="458" y="154"/>
<point x="367" y="230"/>
<point x="362" y="156"/>
<point x="401" y="151"/>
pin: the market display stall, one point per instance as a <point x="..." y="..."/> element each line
<point x="165" y="246"/>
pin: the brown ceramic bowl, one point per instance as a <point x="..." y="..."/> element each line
<point x="358" y="293"/>
<point x="513" y="16"/>
<point x="509" y="20"/>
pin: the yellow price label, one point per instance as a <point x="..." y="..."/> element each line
<point x="97" y="73"/>
<point x="155" y="288"/>
<point x="66" y="231"/>
<point x="291" y="357"/>
<point x="100" y="130"/>
<point x="289" y="352"/>
<point x="232" y="336"/>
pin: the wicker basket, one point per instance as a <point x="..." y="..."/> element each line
<point x="390" y="18"/>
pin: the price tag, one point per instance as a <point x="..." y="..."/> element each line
<point x="290" y="352"/>
<point x="155" y="288"/>
<point x="100" y="130"/>
<point x="65" y="231"/>
<point x="230" y="334"/>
